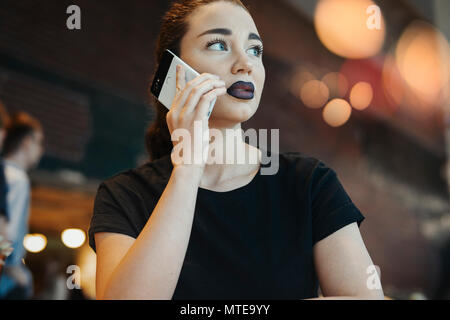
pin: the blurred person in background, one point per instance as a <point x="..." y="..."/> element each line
<point x="5" y="247"/>
<point x="22" y="150"/>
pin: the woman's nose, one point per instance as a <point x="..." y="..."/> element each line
<point x="243" y="64"/>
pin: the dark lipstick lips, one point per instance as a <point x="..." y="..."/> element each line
<point x="241" y="90"/>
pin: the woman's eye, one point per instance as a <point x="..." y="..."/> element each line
<point x="216" y="44"/>
<point x="219" y="45"/>
<point x="257" y="50"/>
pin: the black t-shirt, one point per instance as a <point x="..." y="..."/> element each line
<point x="253" y="242"/>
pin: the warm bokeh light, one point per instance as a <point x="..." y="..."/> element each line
<point x="342" y="26"/>
<point x="361" y="95"/>
<point x="422" y="57"/>
<point x="393" y="85"/>
<point x="371" y="71"/>
<point x="337" y="112"/>
<point x="314" y="94"/>
<point x="73" y="238"/>
<point x="35" y="242"/>
<point x="337" y="84"/>
<point x="299" y="79"/>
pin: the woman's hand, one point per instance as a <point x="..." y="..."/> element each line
<point x="188" y="111"/>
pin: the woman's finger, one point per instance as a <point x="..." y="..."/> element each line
<point x="204" y="103"/>
<point x="181" y="78"/>
<point x="180" y="84"/>
<point x="181" y="98"/>
<point x="200" y="90"/>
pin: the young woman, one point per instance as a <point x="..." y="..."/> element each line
<point x="175" y="230"/>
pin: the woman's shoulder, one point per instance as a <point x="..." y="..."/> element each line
<point x="303" y="167"/>
<point x="298" y="157"/>
<point x="300" y="162"/>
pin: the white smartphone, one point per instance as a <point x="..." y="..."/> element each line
<point x="165" y="81"/>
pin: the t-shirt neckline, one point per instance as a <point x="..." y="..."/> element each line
<point x="238" y="189"/>
<point x="253" y="181"/>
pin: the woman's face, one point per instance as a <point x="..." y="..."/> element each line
<point x="232" y="51"/>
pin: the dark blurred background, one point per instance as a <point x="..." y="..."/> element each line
<point x="88" y="87"/>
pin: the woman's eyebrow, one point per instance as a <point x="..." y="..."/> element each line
<point x="227" y="32"/>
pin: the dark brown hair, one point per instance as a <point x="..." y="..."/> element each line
<point x="174" y="26"/>
<point x="20" y="126"/>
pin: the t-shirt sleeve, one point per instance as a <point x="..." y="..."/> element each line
<point x="331" y="206"/>
<point x="109" y="215"/>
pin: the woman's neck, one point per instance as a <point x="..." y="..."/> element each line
<point x="229" y="157"/>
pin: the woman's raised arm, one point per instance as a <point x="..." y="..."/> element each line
<point x="149" y="267"/>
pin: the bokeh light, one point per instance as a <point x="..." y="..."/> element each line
<point x="393" y="85"/>
<point x="337" y="84"/>
<point x="342" y="26"/>
<point x="422" y="56"/>
<point x="299" y="79"/>
<point x="314" y="94"/>
<point x="73" y="238"/>
<point x="35" y="242"/>
<point x="337" y="112"/>
<point x="361" y="95"/>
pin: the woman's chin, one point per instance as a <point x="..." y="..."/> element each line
<point x="234" y="112"/>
